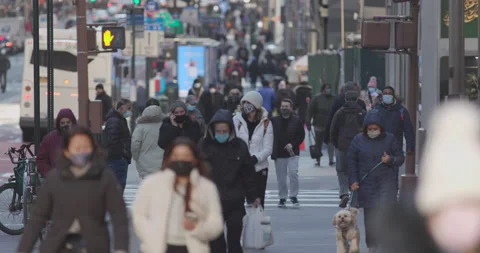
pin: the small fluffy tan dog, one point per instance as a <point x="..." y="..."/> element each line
<point x="348" y="234"/>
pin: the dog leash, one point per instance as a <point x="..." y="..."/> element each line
<point x="361" y="180"/>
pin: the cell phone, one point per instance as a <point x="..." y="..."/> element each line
<point x="191" y="216"/>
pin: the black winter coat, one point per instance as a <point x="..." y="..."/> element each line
<point x="169" y="132"/>
<point x="346" y="124"/>
<point x="303" y="95"/>
<point x="209" y="105"/>
<point x="337" y="104"/>
<point x="117" y="137"/>
<point x="106" y="104"/>
<point x="294" y="135"/>
<point x="230" y="165"/>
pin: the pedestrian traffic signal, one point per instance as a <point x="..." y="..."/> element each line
<point x="113" y="37"/>
<point x="137" y="2"/>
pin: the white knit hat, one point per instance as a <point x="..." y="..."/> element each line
<point x="450" y="168"/>
<point x="254" y="98"/>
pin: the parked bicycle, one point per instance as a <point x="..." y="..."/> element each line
<point x="21" y="189"/>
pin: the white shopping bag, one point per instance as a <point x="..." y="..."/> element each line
<point x="257" y="230"/>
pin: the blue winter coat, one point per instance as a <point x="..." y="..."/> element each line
<point x="396" y="121"/>
<point x="381" y="186"/>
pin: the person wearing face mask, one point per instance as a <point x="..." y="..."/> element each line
<point x="346" y="124"/>
<point x="253" y="126"/>
<point x="372" y="96"/>
<point x="76" y="197"/>
<point x="189" y="200"/>
<point x="282" y="93"/>
<point x="233" y="100"/>
<point x="234" y="176"/>
<point x="194" y="113"/>
<point x="369" y="148"/>
<point x="288" y="133"/>
<point x="197" y="89"/>
<point x="210" y="102"/>
<point x="51" y="144"/>
<point x="105" y="98"/>
<point x="396" y="119"/>
<point x="178" y="124"/>
<point x="118" y="140"/>
<point x="268" y="96"/>
<point x="317" y="116"/>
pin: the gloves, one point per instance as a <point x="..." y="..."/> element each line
<point x="253" y="160"/>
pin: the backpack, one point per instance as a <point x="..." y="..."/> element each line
<point x="353" y="120"/>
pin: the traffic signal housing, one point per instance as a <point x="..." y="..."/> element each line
<point x="113" y="37"/>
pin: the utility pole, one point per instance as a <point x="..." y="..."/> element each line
<point x="50" y="90"/>
<point x="456" y="48"/>
<point x="36" y="77"/>
<point x="408" y="181"/>
<point x="82" y="64"/>
<point x="134" y="21"/>
<point x="478" y="35"/>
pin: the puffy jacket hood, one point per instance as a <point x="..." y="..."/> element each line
<point x="373" y="117"/>
<point x="113" y="113"/>
<point x="225" y="116"/>
<point x="65" y="113"/>
<point x="151" y="114"/>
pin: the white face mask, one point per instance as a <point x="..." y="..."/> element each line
<point x="373" y="134"/>
<point x="456" y="228"/>
<point x="213" y="90"/>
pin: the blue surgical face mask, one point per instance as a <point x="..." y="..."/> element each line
<point x="127" y="114"/>
<point x="372" y="90"/>
<point x="328" y="91"/>
<point x="191" y="108"/>
<point x="222" y="138"/>
<point x="387" y="99"/>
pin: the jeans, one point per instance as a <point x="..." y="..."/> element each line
<point x="319" y="142"/>
<point x="342" y="171"/>
<point x="261" y="183"/>
<point x="284" y="167"/>
<point x="234" y="222"/>
<point x="120" y="170"/>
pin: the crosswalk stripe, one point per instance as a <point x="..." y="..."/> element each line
<point x="308" y="197"/>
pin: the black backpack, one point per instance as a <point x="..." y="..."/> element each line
<point x="352" y="123"/>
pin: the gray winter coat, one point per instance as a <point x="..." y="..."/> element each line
<point x="145" y="150"/>
<point x="381" y="186"/>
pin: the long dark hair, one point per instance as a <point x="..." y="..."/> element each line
<point x="198" y="164"/>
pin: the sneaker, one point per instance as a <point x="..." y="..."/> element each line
<point x="294" y="201"/>
<point x="281" y="204"/>
<point x="344" y="201"/>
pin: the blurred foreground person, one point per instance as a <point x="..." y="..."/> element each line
<point x="76" y="198"/>
<point x="234" y="176"/>
<point x="145" y="150"/>
<point x="448" y="193"/>
<point x="187" y="214"/>
<point x="374" y="148"/>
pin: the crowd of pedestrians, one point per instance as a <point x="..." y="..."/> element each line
<point x="208" y="157"/>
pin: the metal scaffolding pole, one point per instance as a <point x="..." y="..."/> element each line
<point x="36" y="77"/>
<point x="456" y="48"/>
<point x="50" y="90"/>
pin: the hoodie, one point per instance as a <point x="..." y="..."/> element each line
<point x="231" y="171"/>
<point x="381" y="186"/>
<point x="51" y="144"/>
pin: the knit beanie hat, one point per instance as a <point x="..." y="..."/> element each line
<point x="449" y="170"/>
<point x="254" y="98"/>
<point x="351" y="95"/>
<point x="177" y="104"/>
<point x="373" y="82"/>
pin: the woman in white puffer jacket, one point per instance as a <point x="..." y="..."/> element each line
<point x="253" y="126"/>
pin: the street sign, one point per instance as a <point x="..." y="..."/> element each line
<point x="137" y="17"/>
<point x="113" y="37"/>
<point x="149" y="45"/>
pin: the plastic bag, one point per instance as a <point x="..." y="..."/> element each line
<point x="257" y="230"/>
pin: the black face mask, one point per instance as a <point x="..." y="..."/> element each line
<point x="181" y="168"/>
<point x="181" y="119"/>
<point x="64" y="128"/>
<point x="235" y="98"/>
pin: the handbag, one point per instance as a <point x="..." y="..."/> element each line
<point x="314" y="152"/>
<point x="257" y="230"/>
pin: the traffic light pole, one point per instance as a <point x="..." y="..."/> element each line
<point x="82" y="64"/>
<point x="132" y="71"/>
<point x="36" y="77"/>
<point x="409" y="180"/>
